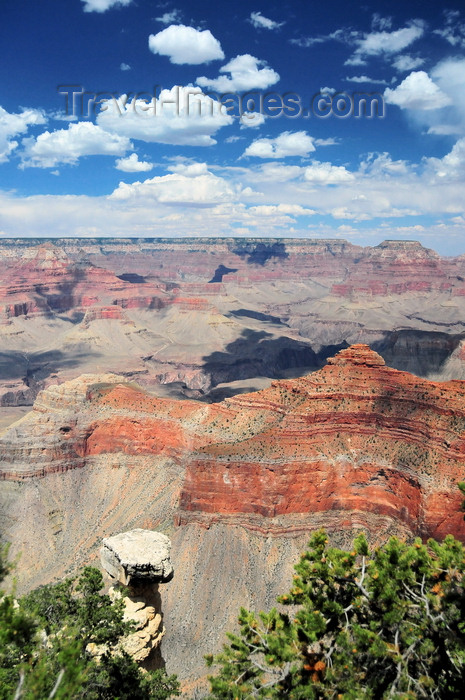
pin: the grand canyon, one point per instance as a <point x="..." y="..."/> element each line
<point x="234" y="394"/>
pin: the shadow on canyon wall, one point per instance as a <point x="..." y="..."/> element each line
<point x="38" y="366"/>
<point x="63" y="296"/>
<point x="260" y="253"/>
<point x="257" y="315"/>
<point x="220" y="272"/>
<point x="260" y="354"/>
<point x="43" y="364"/>
<point x="418" y="352"/>
<point x="23" y="375"/>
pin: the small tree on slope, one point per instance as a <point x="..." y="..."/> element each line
<point x="43" y="640"/>
<point x="387" y="623"/>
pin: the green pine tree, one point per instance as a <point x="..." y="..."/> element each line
<point x="386" y="623"/>
<point x="43" y="640"/>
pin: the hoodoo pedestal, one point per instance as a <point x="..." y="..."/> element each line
<point x="138" y="561"/>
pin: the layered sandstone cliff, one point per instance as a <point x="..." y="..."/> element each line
<point x="196" y="314"/>
<point x="356" y="436"/>
<point x="59" y="274"/>
<point x="46" y="280"/>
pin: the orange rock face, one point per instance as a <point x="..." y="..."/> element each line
<point x="355" y="437"/>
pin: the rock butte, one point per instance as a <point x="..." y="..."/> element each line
<point x="140" y="561"/>
<point x="356" y="436"/>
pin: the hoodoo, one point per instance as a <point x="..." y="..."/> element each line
<point x="140" y="560"/>
<point x="137" y="557"/>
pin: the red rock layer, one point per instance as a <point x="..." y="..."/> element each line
<point x="67" y="274"/>
<point x="46" y="279"/>
<point x="354" y="438"/>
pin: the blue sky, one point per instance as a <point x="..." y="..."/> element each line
<point x="128" y="160"/>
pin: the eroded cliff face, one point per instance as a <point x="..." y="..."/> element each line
<point x="237" y="485"/>
<point x="60" y="274"/>
<point x="354" y="436"/>
<point x="45" y="279"/>
<point x="209" y="318"/>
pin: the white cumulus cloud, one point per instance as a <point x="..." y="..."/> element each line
<point x="449" y="75"/>
<point x="327" y="174"/>
<point x="132" y="164"/>
<point x="68" y="145"/>
<point x="377" y="43"/>
<point x="103" y="5"/>
<point x="452" y="165"/>
<point x="261" y="22"/>
<point x="435" y="102"/>
<point x="186" y="45"/>
<point x="12" y="125"/>
<point x="179" y="116"/>
<point x="189" y="185"/>
<point x="405" y="62"/>
<point x="245" y="73"/>
<point x="417" y="92"/>
<point x="289" y="143"/>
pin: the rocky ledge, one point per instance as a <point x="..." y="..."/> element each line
<point x="137" y="557"/>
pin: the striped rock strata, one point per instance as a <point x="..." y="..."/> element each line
<point x="355" y="437"/>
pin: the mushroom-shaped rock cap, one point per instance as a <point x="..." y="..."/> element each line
<point x="137" y="556"/>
